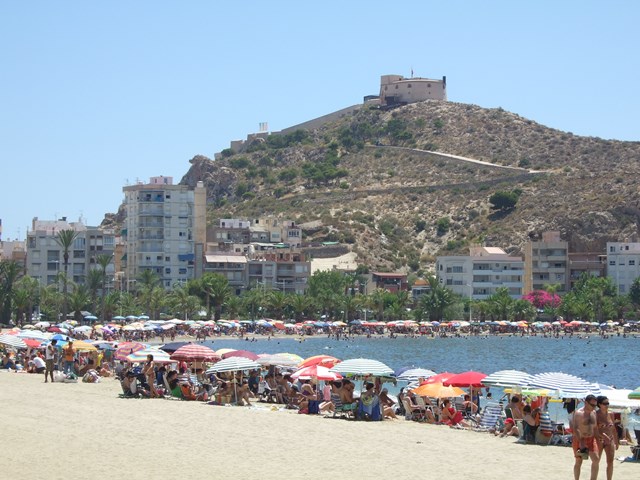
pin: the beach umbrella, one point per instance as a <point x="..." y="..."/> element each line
<point x="83" y="329"/>
<point x="363" y="367"/>
<point x="118" y="318"/>
<point x="173" y="346"/>
<point x="566" y="386"/>
<point x="280" y="360"/>
<point x="241" y="353"/>
<point x="37" y="334"/>
<point x="100" y="345"/>
<point x="42" y="325"/>
<point x="233" y="364"/>
<point x="12" y="341"/>
<point x="223" y="351"/>
<point x="91" y="318"/>
<point x="507" y="378"/>
<point x="438" y="378"/>
<point x="466" y="379"/>
<point x="193" y="352"/>
<point x="126" y="348"/>
<point x="32" y="342"/>
<point x="437" y="390"/>
<point x="140" y="356"/>
<point x="315" y="371"/>
<point x="414" y="374"/>
<point x="324" y="360"/>
<point x="82" y="346"/>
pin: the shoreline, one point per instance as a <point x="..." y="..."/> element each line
<point x="81" y="430"/>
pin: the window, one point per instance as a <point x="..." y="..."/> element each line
<point x="632" y="263"/>
<point x="167" y="259"/>
<point x="612" y="249"/>
<point x="612" y="262"/>
<point x="167" y="271"/>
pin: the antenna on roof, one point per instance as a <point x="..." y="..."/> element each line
<point x="411" y="72"/>
<point x="263" y="127"/>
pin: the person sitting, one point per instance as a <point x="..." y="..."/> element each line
<point x="510" y="429"/>
<point x="451" y="416"/>
<point x="173" y="384"/>
<point x="189" y="392"/>
<point x="369" y="404"/>
<point x="387" y="404"/>
<point x="223" y="393"/>
<point x="8" y="362"/>
<point x="244" y="392"/>
<point x="105" y="370"/>
<point x="530" y="423"/>
<point x="470" y="408"/>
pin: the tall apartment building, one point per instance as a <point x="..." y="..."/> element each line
<point x="623" y="264"/>
<point x="482" y="273"/>
<point x="45" y="256"/>
<point x="546" y="263"/>
<point x="232" y="234"/>
<point x="165" y="231"/>
<point x="593" y="264"/>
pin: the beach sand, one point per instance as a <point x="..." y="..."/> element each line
<point x="69" y="431"/>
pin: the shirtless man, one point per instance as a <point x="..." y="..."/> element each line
<point x="608" y="439"/>
<point x="585" y="435"/>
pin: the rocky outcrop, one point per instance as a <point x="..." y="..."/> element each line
<point x="219" y="180"/>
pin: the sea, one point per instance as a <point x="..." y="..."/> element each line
<point x="612" y="361"/>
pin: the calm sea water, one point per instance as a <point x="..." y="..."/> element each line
<point x="613" y="361"/>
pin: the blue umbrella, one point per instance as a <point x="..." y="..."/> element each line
<point x="173" y="346"/>
<point x="91" y="317"/>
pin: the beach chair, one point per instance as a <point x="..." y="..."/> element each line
<point x="489" y="418"/>
<point x="369" y="408"/>
<point x="424" y="408"/>
<point x="412" y="412"/>
<point x="544" y="432"/>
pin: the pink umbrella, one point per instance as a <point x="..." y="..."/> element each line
<point x="316" y="371"/>
<point x="466" y="379"/>
<point x="439" y="378"/>
<point x="127" y="348"/>
<point x="192" y="352"/>
<point x="241" y="353"/>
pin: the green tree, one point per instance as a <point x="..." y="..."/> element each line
<point x="501" y="303"/>
<point x="503" y="201"/>
<point x="65" y="239"/>
<point x="79" y="301"/>
<point x="435" y="302"/>
<point x="103" y="261"/>
<point x="216" y="290"/>
<point x="94" y="280"/>
<point x="9" y="272"/>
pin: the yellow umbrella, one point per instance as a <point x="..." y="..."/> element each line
<point x="437" y="390"/>
<point x="83" y="346"/>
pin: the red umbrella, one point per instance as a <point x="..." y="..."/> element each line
<point x="439" y="378"/>
<point x="192" y="352"/>
<point x="241" y="353"/>
<point x="322" y="360"/>
<point x="317" y="372"/>
<point x="466" y="379"/>
<point x="32" y="342"/>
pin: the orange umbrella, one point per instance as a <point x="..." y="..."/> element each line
<point x="437" y="390"/>
<point x="322" y="360"/>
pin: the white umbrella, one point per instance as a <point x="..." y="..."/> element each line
<point x="42" y="325"/>
<point x="233" y="364"/>
<point x="414" y="374"/>
<point x="12" y="341"/>
<point x="36" y="334"/>
<point x="363" y="367"/>
<point x="567" y="386"/>
<point x="84" y="328"/>
<point x="507" y="378"/>
<point x="159" y="356"/>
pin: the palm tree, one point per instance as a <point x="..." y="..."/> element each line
<point x="300" y="304"/>
<point x="501" y="303"/>
<point x="9" y="271"/>
<point x="103" y="262"/>
<point x="233" y="306"/>
<point x="94" y="280"/>
<point x="32" y="288"/>
<point x="65" y="239"/>
<point x="437" y="300"/>
<point x="79" y="300"/>
<point x="216" y="290"/>
<point x="277" y="301"/>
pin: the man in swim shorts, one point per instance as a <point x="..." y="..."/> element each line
<point x="585" y="431"/>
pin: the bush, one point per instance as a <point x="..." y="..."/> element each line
<point x="443" y="224"/>
<point x="503" y="200"/>
<point x="238" y="163"/>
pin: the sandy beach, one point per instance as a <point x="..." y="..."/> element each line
<point x="85" y="431"/>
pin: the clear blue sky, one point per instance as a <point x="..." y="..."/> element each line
<point x="95" y="94"/>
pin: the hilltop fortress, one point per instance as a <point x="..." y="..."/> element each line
<point x="395" y="90"/>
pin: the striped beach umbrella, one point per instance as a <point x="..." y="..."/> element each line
<point x="507" y="378"/>
<point x="363" y="367"/>
<point x="193" y="352"/>
<point x="323" y="360"/>
<point x="415" y="374"/>
<point x="127" y="348"/>
<point x="12" y="341"/>
<point x="316" y="371"/>
<point x="140" y="356"/>
<point x="566" y="386"/>
<point x="233" y="364"/>
<point x="37" y="334"/>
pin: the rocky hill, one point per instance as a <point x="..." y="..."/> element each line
<point x="389" y="183"/>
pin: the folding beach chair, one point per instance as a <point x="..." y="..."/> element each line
<point x="489" y="418"/>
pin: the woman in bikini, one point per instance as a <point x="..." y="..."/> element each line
<point x="608" y="435"/>
<point x="150" y="374"/>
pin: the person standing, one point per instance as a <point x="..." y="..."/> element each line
<point x="69" y="354"/>
<point x="49" y="360"/>
<point x="585" y="433"/>
<point x="608" y="440"/>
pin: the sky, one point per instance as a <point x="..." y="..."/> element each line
<point x="98" y="95"/>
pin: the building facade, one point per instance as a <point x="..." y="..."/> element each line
<point x="45" y="256"/>
<point x="593" y="264"/>
<point x="396" y="89"/>
<point x="165" y="231"/>
<point x="482" y="273"/>
<point x="623" y="264"/>
<point x="546" y="263"/>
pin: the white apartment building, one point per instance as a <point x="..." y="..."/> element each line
<point x="165" y="231"/>
<point x="45" y="256"/>
<point x="623" y="264"/>
<point x="482" y="273"/>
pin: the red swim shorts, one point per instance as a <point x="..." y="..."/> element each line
<point x="589" y="442"/>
